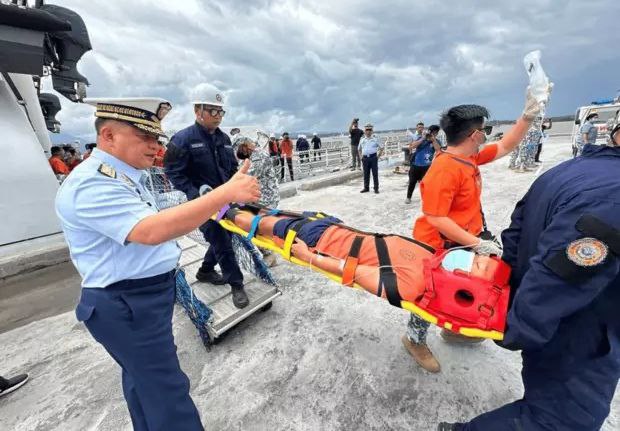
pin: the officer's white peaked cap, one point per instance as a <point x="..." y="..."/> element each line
<point x="144" y="113"/>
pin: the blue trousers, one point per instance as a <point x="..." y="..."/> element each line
<point x="371" y="164"/>
<point x="221" y="251"/>
<point x="132" y="319"/>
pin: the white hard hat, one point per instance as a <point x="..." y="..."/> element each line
<point x="207" y="94"/>
<point x="272" y="135"/>
<point x="314" y="134"/>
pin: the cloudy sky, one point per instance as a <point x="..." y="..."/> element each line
<point x="304" y="66"/>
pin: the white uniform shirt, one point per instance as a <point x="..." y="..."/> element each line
<point x="98" y="207"/>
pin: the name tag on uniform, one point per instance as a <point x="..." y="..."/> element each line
<point x="199" y="145"/>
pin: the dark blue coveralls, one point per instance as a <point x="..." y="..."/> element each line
<point x="196" y="157"/>
<point x="565" y="310"/>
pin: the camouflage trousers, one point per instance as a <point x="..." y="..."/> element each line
<point x="417" y="329"/>
<point x="523" y="156"/>
<point x="514" y="155"/>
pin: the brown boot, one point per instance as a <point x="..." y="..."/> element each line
<point x="422" y="355"/>
<point x="453" y="337"/>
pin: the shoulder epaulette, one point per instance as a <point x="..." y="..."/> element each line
<point x="107" y="170"/>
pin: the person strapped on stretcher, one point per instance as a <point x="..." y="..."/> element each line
<point x="458" y="290"/>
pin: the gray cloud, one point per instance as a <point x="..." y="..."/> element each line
<point x="313" y="66"/>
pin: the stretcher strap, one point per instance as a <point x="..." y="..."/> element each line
<point x="288" y="243"/>
<point x="291" y="234"/>
<point x="350" y="264"/>
<point x="254" y="226"/>
<point x="222" y="212"/>
<point x="387" y="277"/>
<point x="429" y="283"/>
<point x="487" y="310"/>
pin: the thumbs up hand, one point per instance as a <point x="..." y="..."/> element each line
<point x="243" y="187"/>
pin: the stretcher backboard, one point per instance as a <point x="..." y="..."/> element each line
<point x="218" y="298"/>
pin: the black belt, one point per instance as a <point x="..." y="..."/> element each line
<point x="370" y="155"/>
<point x="140" y="282"/>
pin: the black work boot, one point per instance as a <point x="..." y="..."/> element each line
<point x="240" y="298"/>
<point x="212" y="277"/>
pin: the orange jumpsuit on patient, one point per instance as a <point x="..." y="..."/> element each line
<point x="405" y="255"/>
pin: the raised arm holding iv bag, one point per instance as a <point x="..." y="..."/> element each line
<point x="539" y="83"/>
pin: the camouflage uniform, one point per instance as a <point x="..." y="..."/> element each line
<point x="523" y="155"/>
<point x="530" y="144"/>
<point x="417" y="329"/>
<point x="262" y="168"/>
<point x="514" y="155"/>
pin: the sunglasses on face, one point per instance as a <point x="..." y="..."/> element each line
<point x="215" y="112"/>
<point x="368" y="130"/>
<point x="486" y="130"/>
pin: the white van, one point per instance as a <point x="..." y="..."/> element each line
<point x="607" y="113"/>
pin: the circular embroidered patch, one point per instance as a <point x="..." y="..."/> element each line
<point x="587" y="252"/>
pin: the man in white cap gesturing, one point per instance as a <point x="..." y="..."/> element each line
<point x="125" y="252"/>
<point x="202" y="154"/>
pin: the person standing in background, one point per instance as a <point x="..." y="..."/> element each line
<point x="302" y="147"/>
<point x="545" y="126"/>
<point x="425" y="150"/>
<point x="316" y="145"/>
<point x="356" y="134"/>
<point x="202" y="154"/>
<point x="370" y="149"/>
<point x="286" y="151"/>
<point x="57" y="163"/>
<point x="588" y="133"/>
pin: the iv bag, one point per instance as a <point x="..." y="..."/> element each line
<point x="539" y="82"/>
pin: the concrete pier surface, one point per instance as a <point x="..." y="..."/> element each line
<point x="324" y="357"/>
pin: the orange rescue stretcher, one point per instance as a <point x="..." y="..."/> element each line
<point x="461" y="298"/>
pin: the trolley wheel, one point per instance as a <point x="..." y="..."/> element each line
<point x="266" y="307"/>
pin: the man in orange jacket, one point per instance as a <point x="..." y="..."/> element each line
<point x="57" y="163"/>
<point x="286" y="152"/>
<point x="452" y="211"/>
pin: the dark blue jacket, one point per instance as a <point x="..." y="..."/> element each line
<point x="564" y="315"/>
<point x="195" y="157"/>
<point x="302" y="145"/>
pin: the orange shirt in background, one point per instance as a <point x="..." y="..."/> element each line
<point x="451" y="188"/>
<point x="286" y="148"/>
<point x="58" y="166"/>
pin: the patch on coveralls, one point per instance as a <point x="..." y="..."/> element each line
<point x="587" y="252"/>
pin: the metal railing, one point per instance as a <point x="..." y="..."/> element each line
<point x="334" y="155"/>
